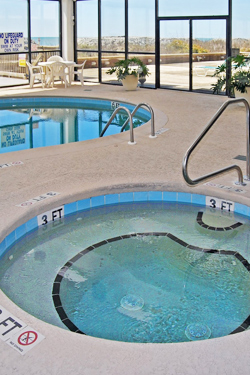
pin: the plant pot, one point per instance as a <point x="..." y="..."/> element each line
<point x="142" y="79"/>
<point x="130" y="82"/>
<point x="245" y="95"/>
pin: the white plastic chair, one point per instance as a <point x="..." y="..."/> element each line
<point x="79" y="71"/>
<point x="59" y="70"/>
<point x="36" y="73"/>
<point x="55" y="58"/>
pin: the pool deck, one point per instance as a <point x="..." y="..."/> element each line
<point x="110" y="165"/>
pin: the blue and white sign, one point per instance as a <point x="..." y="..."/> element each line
<point x="11" y="42"/>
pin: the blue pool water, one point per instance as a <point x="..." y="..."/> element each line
<point x="136" y="272"/>
<point x="39" y="122"/>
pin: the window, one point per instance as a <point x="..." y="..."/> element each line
<point x="44" y="25"/>
<point x="241" y="26"/>
<point x="168" y="8"/>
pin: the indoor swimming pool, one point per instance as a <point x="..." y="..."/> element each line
<point x="159" y="267"/>
<point x="38" y="122"/>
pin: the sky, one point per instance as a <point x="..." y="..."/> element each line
<point x="13" y="17"/>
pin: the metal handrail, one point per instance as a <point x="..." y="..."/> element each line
<point x="152" y="135"/>
<point x="131" y="142"/>
<point x="201" y="136"/>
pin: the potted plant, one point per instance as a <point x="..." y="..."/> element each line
<point x="128" y="72"/>
<point x="238" y="84"/>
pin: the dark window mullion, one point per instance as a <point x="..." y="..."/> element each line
<point x="99" y="42"/>
<point x="157" y="47"/>
<point x="190" y="55"/>
<point x="126" y="28"/>
<point x="60" y="26"/>
<point x="29" y="28"/>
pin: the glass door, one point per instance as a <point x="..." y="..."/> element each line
<point x="209" y="51"/>
<point x="174" y="54"/>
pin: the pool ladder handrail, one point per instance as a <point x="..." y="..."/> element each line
<point x="130" y="119"/>
<point x="131" y="141"/>
<point x="152" y="135"/>
<point x="202" y="135"/>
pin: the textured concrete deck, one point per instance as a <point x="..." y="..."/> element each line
<point x="84" y="169"/>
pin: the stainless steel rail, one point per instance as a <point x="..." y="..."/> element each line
<point x="131" y="142"/>
<point x="202" y="135"/>
<point x="152" y="135"/>
<point x="130" y="119"/>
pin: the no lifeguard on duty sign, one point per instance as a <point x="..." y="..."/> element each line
<point x="16" y="333"/>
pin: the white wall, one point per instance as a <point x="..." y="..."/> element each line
<point x="67" y="30"/>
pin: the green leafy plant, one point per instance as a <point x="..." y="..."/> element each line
<point x="123" y="68"/>
<point x="240" y="77"/>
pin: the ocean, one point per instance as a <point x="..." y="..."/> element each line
<point x="46" y="41"/>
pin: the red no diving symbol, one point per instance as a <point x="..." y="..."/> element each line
<point x="27" y="338"/>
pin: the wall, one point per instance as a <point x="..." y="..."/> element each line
<point x="67" y="30"/>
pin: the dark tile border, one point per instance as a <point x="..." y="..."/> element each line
<point x="60" y="275"/>
<point x="200" y="221"/>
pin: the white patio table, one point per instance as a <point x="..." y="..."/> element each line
<point x="50" y="74"/>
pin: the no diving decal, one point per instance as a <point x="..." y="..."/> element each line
<point x="27" y="338"/>
<point x="11" y="164"/>
<point x="38" y="199"/>
<point x="16" y="333"/>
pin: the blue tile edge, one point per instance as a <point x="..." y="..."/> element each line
<point x="102" y="200"/>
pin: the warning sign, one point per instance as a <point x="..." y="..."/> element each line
<point x="22" y="60"/>
<point x="16" y="333"/>
<point x="25" y="340"/>
<point x="11" y="42"/>
<point x="13" y="136"/>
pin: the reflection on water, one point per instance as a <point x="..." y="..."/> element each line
<point x="22" y="129"/>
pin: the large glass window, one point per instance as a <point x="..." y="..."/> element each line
<point x="113" y="35"/>
<point x="113" y="25"/>
<point x="209" y="51"/>
<point x="141" y="26"/>
<point x="141" y="34"/>
<point x="44" y="25"/>
<point x="87" y="37"/>
<point x="169" y="8"/>
<point x="87" y="25"/>
<point x="13" y="38"/>
<point x="241" y="26"/>
<point x="15" y="46"/>
<point x="13" y="18"/>
<point x="174" y="54"/>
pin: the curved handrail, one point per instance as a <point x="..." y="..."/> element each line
<point x="201" y="136"/>
<point x="131" y="142"/>
<point x="152" y="135"/>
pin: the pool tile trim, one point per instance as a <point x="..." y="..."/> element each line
<point x="199" y="220"/>
<point x="60" y="275"/>
<point x="124" y="197"/>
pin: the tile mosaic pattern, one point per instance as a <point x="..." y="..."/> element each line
<point x="59" y="277"/>
<point x="219" y="229"/>
<point x="70" y="208"/>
